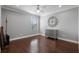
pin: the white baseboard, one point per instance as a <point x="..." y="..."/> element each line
<point x="23" y="37"/>
<point x="43" y="35"/>
<point x="68" y="40"/>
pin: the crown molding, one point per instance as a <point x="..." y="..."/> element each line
<point x="60" y="10"/>
<point x="19" y="10"/>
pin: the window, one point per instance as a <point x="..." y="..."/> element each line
<point x="34" y="22"/>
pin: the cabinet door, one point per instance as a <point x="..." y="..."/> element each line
<point x="51" y="33"/>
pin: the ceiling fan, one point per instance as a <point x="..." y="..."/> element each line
<point x="40" y="8"/>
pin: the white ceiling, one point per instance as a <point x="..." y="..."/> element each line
<point x="44" y="9"/>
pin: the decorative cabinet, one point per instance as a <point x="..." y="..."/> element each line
<point x="52" y="33"/>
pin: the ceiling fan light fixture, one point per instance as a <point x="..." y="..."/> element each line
<point x="38" y="8"/>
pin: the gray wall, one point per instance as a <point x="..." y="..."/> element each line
<point x="0" y="15"/>
<point x="67" y="24"/>
<point x="18" y="24"/>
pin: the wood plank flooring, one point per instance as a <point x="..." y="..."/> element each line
<point x="40" y="44"/>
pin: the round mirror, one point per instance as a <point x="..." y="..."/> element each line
<point x="52" y="21"/>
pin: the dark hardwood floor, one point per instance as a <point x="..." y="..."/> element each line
<point x="40" y="44"/>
